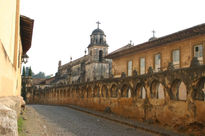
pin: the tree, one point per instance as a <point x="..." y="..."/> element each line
<point x="23" y="87"/>
<point x="24" y="72"/>
<point x="30" y="72"/>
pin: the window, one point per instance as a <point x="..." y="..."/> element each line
<point x="176" y="58"/>
<point x="157" y="61"/>
<point x="129" y="68"/>
<point x="100" y="55"/>
<point x="142" y="66"/>
<point x="198" y="52"/>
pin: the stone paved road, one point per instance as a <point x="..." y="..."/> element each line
<point x="63" y="121"/>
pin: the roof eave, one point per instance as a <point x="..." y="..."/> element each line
<point x="26" y="32"/>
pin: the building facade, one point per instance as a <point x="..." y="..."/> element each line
<point x="178" y="49"/>
<point x="92" y="66"/>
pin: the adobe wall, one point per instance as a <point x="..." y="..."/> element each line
<point x="186" y="54"/>
<point x="124" y="97"/>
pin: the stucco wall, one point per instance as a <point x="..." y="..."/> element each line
<point x="10" y="49"/>
<point x="186" y="54"/>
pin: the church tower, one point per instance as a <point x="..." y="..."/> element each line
<point x="97" y="67"/>
<point x="98" y="47"/>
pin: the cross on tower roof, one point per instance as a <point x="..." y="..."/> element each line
<point x="98" y="23"/>
<point x="153" y="33"/>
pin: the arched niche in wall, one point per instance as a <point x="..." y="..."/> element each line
<point x="114" y="91"/>
<point x="104" y="91"/>
<point x="178" y="90"/>
<point x="157" y="90"/>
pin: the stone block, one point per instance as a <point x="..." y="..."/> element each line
<point x="8" y="121"/>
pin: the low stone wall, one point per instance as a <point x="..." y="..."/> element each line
<point x="173" y="98"/>
<point x="10" y="108"/>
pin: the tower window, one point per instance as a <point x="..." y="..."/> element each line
<point x="100" y="55"/>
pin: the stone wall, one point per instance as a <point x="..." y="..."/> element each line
<point x="173" y="98"/>
<point x="10" y="108"/>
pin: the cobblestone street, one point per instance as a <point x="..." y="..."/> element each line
<point x="63" y="121"/>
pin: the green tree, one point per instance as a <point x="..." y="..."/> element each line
<point x="23" y="87"/>
<point x="30" y="72"/>
<point x="24" y="72"/>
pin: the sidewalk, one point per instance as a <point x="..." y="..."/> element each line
<point x="148" y="127"/>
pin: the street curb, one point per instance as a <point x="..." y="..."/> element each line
<point x="143" y="126"/>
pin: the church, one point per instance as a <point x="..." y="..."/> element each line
<point x="92" y="66"/>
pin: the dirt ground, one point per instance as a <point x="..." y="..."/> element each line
<point x="34" y="124"/>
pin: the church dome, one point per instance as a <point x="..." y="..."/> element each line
<point x="97" y="37"/>
<point x="98" y="32"/>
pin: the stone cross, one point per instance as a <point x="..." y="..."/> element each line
<point x="130" y="42"/>
<point x="98" y="23"/>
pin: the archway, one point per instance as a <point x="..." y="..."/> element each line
<point x="126" y="91"/>
<point x="140" y="91"/>
<point x="96" y="91"/>
<point x="104" y="91"/>
<point x="178" y="90"/>
<point x="114" y="92"/>
<point x="157" y="90"/>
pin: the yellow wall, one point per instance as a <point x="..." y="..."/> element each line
<point x="185" y="46"/>
<point x="10" y="48"/>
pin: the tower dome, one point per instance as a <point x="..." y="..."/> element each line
<point x="98" y="37"/>
<point x="98" y="31"/>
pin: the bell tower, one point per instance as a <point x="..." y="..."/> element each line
<point x="98" y="47"/>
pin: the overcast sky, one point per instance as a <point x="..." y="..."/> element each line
<point x="62" y="28"/>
